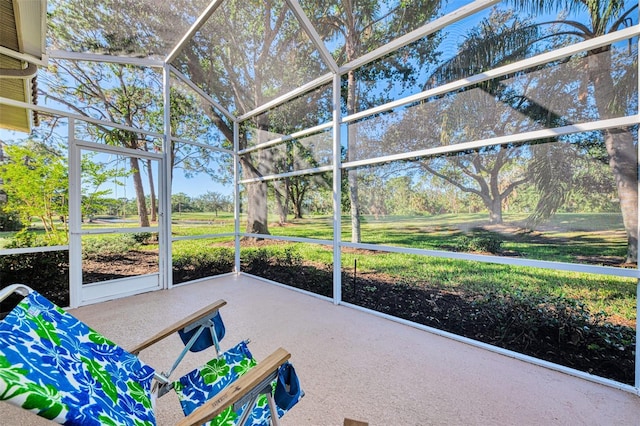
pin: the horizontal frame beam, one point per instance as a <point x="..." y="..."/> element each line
<point x="111" y="59"/>
<point x="320" y="81"/>
<point x="501" y="260"/>
<point x="77" y="117"/>
<point x="517" y="138"/>
<point x="296" y="135"/>
<point x="313" y="171"/>
<point x="202" y="145"/>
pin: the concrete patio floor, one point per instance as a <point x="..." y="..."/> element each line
<point x="356" y="365"/>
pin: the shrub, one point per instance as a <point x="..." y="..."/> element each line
<point x="477" y="243"/>
<point x="288" y="258"/>
<point x="28" y="238"/>
<point x="143" y="237"/>
<point x="47" y="273"/>
<point x="561" y="330"/>
<point x="10" y="221"/>
<point x="23" y="238"/>
<point x="95" y="247"/>
<point x="204" y="263"/>
<point x="256" y="261"/>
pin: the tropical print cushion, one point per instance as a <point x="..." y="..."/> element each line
<point x="205" y="382"/>
<point x="56" y="366"/>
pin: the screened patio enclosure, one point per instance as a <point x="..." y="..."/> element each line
<point x="441" y="163"/>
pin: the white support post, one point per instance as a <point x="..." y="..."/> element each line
<point x="236" y="193"/>
<point x="637" y="360"/>
<point x="637" y="348"/>
<point x="337" y="188"/>
<point x="164" y="201"/>
<point x="75" y="219"/>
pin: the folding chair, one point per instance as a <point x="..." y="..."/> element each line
<point x="59" y="368"/>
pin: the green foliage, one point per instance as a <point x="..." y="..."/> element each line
<point x="35" y="180"/>
<point x="201" y="262"/>
<point x="29" y="238"/>
<point x="46" y="272"/>
<point x="520" y="319"/>
<point x="214" y="259"/>
<point x="95" y="175"/>
<point x="257" y="260"/>
<point x="288" y="257"/>
<point x="10" y="221"/>
<point x="95" y="247"/>
<point x="23" y="238"/>
<point x="143" y="237"/>
<point x="472" y="243"/>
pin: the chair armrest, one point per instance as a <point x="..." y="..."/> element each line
<point x="196" y="316"/>
<point x="20" y="289"/>
<point x="236" y="390"/>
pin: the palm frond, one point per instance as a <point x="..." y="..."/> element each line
<point x="490" y="49"/>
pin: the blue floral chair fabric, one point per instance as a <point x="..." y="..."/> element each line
<point x="203" y="383"/>
<point x="56" y="366"/>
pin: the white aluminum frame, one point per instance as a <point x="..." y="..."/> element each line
<point x="80" y="293"/>
<point x="284" y="138"/>
<point x="333" y="78"/>
<point x="202" y="19"/>
<point x="24" y="56"/>
<point x="95" y="57"/>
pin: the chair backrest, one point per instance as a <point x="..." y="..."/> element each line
<point x="56" y="366"/>
<point x="201" y="384"/>
<point x="208" y="381"/>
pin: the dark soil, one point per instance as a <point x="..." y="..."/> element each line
<point x="113" y="266"/>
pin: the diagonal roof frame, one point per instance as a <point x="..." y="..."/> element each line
<point x="306" y="24"/>
<point x="202" y="19"/>
<point x="202" y="93"/>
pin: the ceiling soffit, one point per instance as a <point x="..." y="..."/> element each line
<point x="22" y="38"/>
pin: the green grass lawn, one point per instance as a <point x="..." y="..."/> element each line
<point x="584" y="238"/>
<point x="574" y="238"/>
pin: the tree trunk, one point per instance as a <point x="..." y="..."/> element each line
<point x="257" y="209"/>
<point x="137" y="184"/>
<point x="495" y="211"/>
<point x="623" y="161"/>
<point x="623" y="156"/>
<point x="257" y="212"/>
<point x="297" y="202"/>
<point x="495" y="205"/>
<point x="352" y="174"/>
<point x="152" y="193"/>
<point x="352" y="49"/>
<point x="282" y="200"/>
